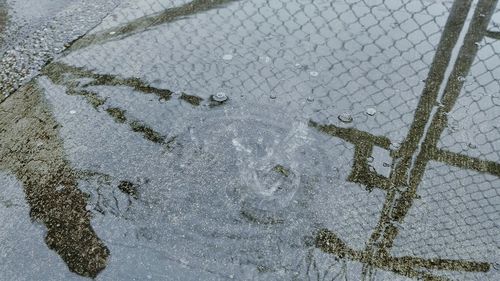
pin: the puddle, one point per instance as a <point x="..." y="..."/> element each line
<point x="325" y="151"/>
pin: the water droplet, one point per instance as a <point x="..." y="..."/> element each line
<point x="371" y="111"/>
<point x="346" y="117"/>
<point x="476" y="96"/>
<point x="272" y="96"/>
<point x="266" y="59"/>
<point x="310" y="99"/>
<point x="72" y="112"/>
<point x="220" y="97"/>
<point x="227" y="57"/>
<point x="314" y="73"/>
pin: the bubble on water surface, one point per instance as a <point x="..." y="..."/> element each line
<point x="220" y="97"/>
<point x="346" y="117"/>
<point x="395" y="146"/>
<point x="371" y="111"/>
<point x="227" y="57"/>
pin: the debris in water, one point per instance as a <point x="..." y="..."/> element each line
<point x="371" y="111"/>
<point x="220" y="97"/>
<point x="346" y="117"/>
<point x="128" y="188"/>
<point x="282" y="170"/>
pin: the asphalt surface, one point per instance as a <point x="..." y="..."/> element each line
<point x="254" y="140"/>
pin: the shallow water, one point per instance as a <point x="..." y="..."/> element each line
<point x="358" y="141"/>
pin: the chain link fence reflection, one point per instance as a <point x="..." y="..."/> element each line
<point x="408" y="90"/>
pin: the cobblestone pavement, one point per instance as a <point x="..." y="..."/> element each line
<point x="260" y="140"/>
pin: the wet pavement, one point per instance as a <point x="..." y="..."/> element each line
<point x="259" y="140"/>
<point x="33" y="32"/>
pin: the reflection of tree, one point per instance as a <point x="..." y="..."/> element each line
<point x="32" y="150"/>
<point x="140" y="24"/>
<point x="421" y="145"/>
